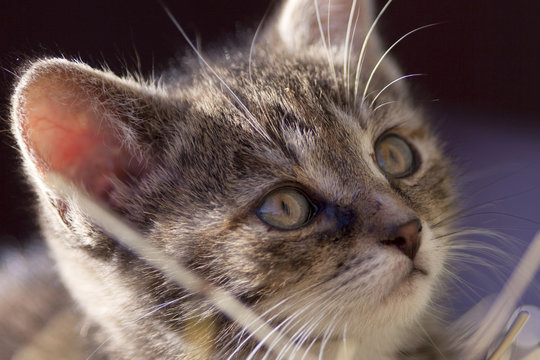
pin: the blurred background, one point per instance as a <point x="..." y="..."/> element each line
<point x="482" y="88"/>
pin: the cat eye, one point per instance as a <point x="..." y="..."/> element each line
<point x="394" y="156"/>
<point x="286" y="208"/>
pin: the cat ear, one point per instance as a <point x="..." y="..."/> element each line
<point x="302" y="23"/>
<point x="84" y="124"/>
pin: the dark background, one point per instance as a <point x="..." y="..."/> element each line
<point x="482" y="63"/>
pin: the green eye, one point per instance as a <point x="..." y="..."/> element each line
<point x="394" y="156"/>
<point x="286" y="208"/>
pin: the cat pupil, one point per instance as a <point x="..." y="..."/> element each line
<point x="393" y="156"/>
<point x="285" y="208"/>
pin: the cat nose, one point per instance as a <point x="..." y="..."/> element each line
<point x="406" y="238"/>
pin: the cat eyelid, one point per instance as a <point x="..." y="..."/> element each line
<point x="394" y="129"/>
<point x="306" y="190"/>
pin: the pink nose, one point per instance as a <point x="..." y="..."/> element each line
<point x="406" y="238"/>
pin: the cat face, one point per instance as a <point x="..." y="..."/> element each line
<point x="308" y="191"/>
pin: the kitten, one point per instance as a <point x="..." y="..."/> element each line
<point x="295" y="174"/>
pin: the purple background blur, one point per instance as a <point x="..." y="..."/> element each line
<point x="482" y="88"/>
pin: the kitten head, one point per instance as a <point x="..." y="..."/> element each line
<point x="294" y="177"/>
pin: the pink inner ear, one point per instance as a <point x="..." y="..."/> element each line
<point x="67" y="135"/>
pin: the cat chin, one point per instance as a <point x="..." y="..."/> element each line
<point x="403" y="286"/>
<point x="403" y="296"/>
<point x="385" y="321"/>
<point x="378" y="334"/>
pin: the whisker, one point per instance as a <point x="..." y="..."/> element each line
<point x="328" y="24"/>
<point x="376" y="67"/>
<point x="346" y="56"/>
<point x="98" y="348"/>
<point x="430" y="339"/>
<point x="239" y="335"/>
<point x="392" y="83"/>
<point x="281" y="329"/>
<point x="306" y="337"/>
<point x="303" y="333"/>
<point x="298" y="338"/>
<point x="472" y="258"/>
<point x="466" y="211"/>
<point x="495" y="172"/>
<point x="252" y="46"/>
<point x="466" y="288"/>
<point x="326" y="336"/>
<point x="282" y="310"/>
<point x="471" y="231"/>
<point x="309" y="348"/>
<point x="384" y="104"/>
<point x="325" y="45"/>
<point x="470" y="250"/>
<point x="351" y="45"/>
<point x="347" y="351"/>
<point x="17" y="76"/>
<point x="362" y="55"/>
<point x="517" y="217"/>
<point x="321" y="301"/>
<point x="250" y="117"/>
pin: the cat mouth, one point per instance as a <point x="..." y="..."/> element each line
<point x="408" y="282"/>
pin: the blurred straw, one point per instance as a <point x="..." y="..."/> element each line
<point x="126" y="234"/>
<point x="504" y="305"/>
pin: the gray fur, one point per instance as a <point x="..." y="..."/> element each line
<point x="199" y="165"/>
